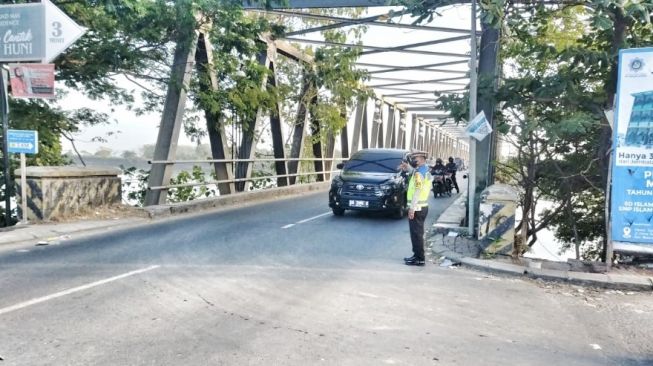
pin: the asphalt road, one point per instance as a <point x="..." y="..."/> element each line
<point x="287" y="283"/>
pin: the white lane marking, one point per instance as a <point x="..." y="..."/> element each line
<point x="306" y="220"/>
<point x="314" y="217"/>
<point x="73" y="290"/>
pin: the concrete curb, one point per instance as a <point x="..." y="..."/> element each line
<point x="161" y="211"/>
<point x="54" y="232"/>
<point x="447" y="220"/>
<point x="610" y="280"/>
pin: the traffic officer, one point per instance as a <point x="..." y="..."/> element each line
<point x="418" y="195"/>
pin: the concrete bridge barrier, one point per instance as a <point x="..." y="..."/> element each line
<point x="55" y="193"/>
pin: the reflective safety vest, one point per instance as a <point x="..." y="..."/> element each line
<point x="419" y="179"/>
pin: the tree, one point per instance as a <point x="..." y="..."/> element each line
<point x="103" y="152"/>
<point x="562" y="76"/>
<point x="129" y="154"/>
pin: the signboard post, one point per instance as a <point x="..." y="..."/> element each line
<point x="631" y="207"/>
<point x="23" y="142"/>
<point x="30" y="32"/>
<point x="4" y="114"/>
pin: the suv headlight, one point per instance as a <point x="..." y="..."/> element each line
<point x="337" y="182"/>
<point x="387" y="188"/>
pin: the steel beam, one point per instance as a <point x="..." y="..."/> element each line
<point x="416" y="67"/>
<point x="390" y="132"/>
<point x="276" y="132"/>
<point x="302" y="4"/>
<point x="347" y="23"/>
<point x="298" y="130"/>
<point x="401" y="134"/>
<point x="438" y="71"/>
<point x="376" y="116"/>
<point x="364" y="129"/>
<point x="172" y="116"/>
<point x="353" y="21"/>
<point x="445" y="81"/>
<point x="316" y="132"/>
<point x="414" y="45"/>
<point x="361" y="107"/>
<point x="364" y="46"/>
<point x="344" y="135"/>
<point x="214" y="121"/>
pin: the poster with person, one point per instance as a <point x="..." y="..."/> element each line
<point x="632" y="160"/>
<point x="32" y="80"/>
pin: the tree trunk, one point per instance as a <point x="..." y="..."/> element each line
<point x="605" y="142"/>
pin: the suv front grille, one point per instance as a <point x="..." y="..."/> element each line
<point x="359" y="190"/>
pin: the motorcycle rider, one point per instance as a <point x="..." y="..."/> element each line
<point x="438" y="168"/>
<point x="438" y="172"/>
<point x="452" y="168"/>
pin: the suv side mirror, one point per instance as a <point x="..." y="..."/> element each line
<point x="340" y="165"/>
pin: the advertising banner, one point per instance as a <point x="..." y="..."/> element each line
<point x="22" y="27"/>
<point x="632" y="160"/>
<point x="32" y="80"/>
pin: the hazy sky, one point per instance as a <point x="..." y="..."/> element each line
<point x="139" y="130"/>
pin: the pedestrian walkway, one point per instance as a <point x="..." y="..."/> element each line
<point x="450" y="244"/>
<point x="56" y="232"/>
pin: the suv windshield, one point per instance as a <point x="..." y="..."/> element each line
<point x="374" y="163"/>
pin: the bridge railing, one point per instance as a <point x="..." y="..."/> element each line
<point x="324" y="174"/>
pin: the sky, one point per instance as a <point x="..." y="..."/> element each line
<point x="136" y="131"/>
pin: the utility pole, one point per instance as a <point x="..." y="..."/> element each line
<point x="480" y="151"/>
<point x="473" y="87"/>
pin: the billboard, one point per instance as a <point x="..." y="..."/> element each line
<point x="632" y="160"/>
<point x="22" y="27"/>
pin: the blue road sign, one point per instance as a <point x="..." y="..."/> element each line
<point x="23" y="141"/>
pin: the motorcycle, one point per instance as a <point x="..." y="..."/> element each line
<point x="442" y="183"/>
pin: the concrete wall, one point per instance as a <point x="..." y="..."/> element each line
<point x="56" y="193"/>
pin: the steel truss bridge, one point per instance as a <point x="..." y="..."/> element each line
<point x="401" y="114"/>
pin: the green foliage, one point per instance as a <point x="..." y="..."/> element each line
<point x="560" y="75"/>
<point x="183" y="194"/>
<point x="135" y="184"/>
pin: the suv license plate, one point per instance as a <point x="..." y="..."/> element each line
<point x="356" y="203"/>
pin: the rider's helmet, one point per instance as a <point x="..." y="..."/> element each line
<point x="451" y="159"/>
<point x="438" y="161"/>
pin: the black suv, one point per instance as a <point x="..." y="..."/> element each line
<point x="370" y="181"/>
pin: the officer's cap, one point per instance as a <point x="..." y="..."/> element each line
<point x="422" y="154"/>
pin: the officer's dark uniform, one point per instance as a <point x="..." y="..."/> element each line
<point x="418" y="193"/>
<point x="452" y="168"/>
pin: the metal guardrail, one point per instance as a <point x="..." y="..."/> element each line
<point x="236" y="180"/>
<point x="237" y="160"/>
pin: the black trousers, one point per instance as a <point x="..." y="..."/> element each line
<point x="416" y="226"/>
<point x="455" y="184"/>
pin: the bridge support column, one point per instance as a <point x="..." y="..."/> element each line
<point x="247" y="148"/>
<point x="401" y="136"/>
<point x="173" y="113"/>
<point x="299" y="128"/>
<point x="275" y="129"/>
<point x="214" y="121"/>
<point x="390" y="135"/>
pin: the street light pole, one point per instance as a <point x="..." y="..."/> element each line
<point x="473" y="87"/>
